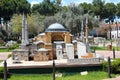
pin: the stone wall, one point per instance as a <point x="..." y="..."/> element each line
<point x="21" y="54"/>
<point x="41" y="56"/>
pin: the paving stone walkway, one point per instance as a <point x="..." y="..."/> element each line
<point x="109" y="54"/>
<point x="4" y="55"/>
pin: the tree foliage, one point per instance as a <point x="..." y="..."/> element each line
<point x="71" y="17"/>
<point x="118" y="10"/>
<point x="110" y="11"/>
<point x="98" y="8"/>
<point x="51" y="11"/>
<point x="9" y="7"/>
<point x="23" y="6"/>
<point x="47" y="7"/>
<point x="34" y="25"/>
<point x="87" y="7"/>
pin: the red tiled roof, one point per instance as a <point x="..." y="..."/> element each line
<point x="114" y="25"/>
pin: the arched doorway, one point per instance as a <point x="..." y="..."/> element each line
<point x="57" y="38"/>
<point x="57" y="41"/>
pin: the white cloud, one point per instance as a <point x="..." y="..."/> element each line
<point x="114" y="1"/>
<point x="67" y="2"/>
<point x="34" y="2"/>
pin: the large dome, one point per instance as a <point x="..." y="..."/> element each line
<point x="56" y="27"/>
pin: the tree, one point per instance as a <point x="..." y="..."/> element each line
<point x="22" y="6"/>
<point x="118" y="10"/>
<point x="35" y="8"/>
<point x="49" y="20"/>
<point x="35" y="25"/>
<point x="98" y="8"/>
<point x="110" y="11"/>
<point x="7" y="9"/>
<point x="47" y="7"/>
<point x="86" y="7"/>
<point x="10" y="7"/>
<point x="71" y="17"/>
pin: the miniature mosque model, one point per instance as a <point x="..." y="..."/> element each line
<point x="55" y="43"/>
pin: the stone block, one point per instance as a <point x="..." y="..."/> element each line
<point x="21" y="54"/>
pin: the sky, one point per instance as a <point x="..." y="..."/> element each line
<point x="67" y="2"/>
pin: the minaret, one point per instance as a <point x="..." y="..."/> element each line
<point x="24" y="32"/>
<point x="87" y="42"/>
<point x="86" y="29"/>
<point x="23" y="27"/>
<point x="82" y="33"/>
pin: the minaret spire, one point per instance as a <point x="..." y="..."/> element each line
<point x="24" y="41"/>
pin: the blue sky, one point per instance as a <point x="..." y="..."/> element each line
<point x="67" y="2"/>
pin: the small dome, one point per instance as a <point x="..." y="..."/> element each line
<point x="42" y="49"/>
<point x="56" y="27"/>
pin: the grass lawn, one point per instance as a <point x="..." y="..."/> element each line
<point x="1" y="60"/>
<point x="9" y="49"/>
<point x="5" y="50"/>
<point x="103" y="48"/>
<point x="95" y="75"/>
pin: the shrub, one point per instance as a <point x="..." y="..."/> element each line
<point x="115" y="66"/>
<point x="10" y="55"/>
<point x="14" y="46"/>
<point x="1" y="69"/>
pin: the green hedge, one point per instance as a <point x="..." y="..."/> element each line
<point x="59" y="70"/>
<point x="115" y="66"/>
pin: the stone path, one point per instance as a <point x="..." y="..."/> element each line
<point x="4" y="55"/>
<point x="109" y="54"/>
<point x="117" y="78"/>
